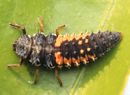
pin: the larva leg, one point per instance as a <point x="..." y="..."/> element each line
<point x="58" y="29"/>
<point x="16" y="65"/>
<point x="17" y="26"/>
<point x="36" y="76"/>
<point x="40" y="21"/>
<point x="57" y="77"/>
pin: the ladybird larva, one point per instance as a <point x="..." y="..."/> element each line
<point x="55" y="51"/>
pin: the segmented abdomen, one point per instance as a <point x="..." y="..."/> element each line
<point x="83" y="48"/>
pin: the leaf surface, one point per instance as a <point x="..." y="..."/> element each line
<point x="104" y="77"/>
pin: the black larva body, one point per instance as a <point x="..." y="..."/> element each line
<point x="41" y="50"/>
<point x="55" y="51"/>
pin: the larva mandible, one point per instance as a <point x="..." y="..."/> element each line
<point x="55" y="51"/>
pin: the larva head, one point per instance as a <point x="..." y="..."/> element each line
<point x="22" y="46"/>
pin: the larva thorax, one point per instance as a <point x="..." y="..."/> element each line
<point x="37" y="49"/>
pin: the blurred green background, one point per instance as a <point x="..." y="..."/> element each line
<point x="105" y="77"/>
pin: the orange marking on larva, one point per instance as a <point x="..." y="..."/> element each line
<point x="78" y="37"/>
<point x="70" y="60"/>
<point x="73" y="60"/>
<point x="85" y="62"/>
<point x="93" y="57"/>
<point x="71" y="37"/>
<point x="77" y="64"/>
<point x="86" y="57"/>
<point x="83" y="59"/>
<point x="87" y="34"/>
<point x="65" y="37"/>
<point x="80" y="42"/>
<point x="59" y="58"/>
<point x="76" y="61"/>
<point x="81" y="51"/>
<point x="86" y="41"/>
<point x="88" y="49"/>
<point x="67" y="65"/>
<point x="67" y="61"/>
<point x="83" y="36"/>
<point x="58" y="41"/>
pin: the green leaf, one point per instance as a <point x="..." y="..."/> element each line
<point x="104" y="77"/>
